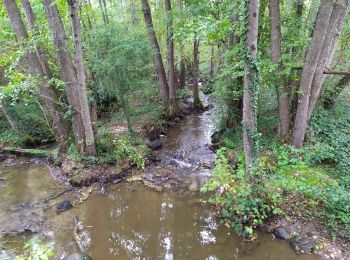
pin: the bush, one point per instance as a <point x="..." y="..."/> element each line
<point x="329" y="142"/>
<point x="112" y="150"/>
<point x="244" y="203"/>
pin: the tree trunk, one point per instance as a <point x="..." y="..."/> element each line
<point x="67" y="70"/>
<point x="182" y="73"/>
<point x="8" y="117"/>
<point x="249" y="94"/>
<point x="134" y="20"/>
<point x="233" y="35"/>
<point x="276" y="41"/>
<point x="309" y="69"/>
<point x="211" y="72"/>
<point x="172" y="105"/>
<point x="331" y="95"/>
<point x="60" y="123"/>
<point x="158" y="62"/>
<point x="37" y="68"/>
<point x="335" y="26"/>
<point x="197" y="104"/>
<point x="104" y="16"/>
<point x="299" y="9"/>
<point x="90" y="147"/>
<point x="105" y="10"/>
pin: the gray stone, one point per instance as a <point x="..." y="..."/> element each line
<point x="282" y="233"/>
<point x="78" y="256"/>
<point x="303" y="244"/>
<point x="63" y="206"/>
<point x="156" y="144"/>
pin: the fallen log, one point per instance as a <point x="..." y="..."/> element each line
<point x="27" y="152"/>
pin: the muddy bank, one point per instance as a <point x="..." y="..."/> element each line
<point x="307" y="237"/>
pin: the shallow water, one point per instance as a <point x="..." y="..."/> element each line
<point x="132" y="221"/>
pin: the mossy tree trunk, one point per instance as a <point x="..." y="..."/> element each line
<point x="250" y="92"/>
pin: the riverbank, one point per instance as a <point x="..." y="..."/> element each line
<point x="115" y="214"/>
<point x="180" y="163"/>
<point x="301" y="195"/>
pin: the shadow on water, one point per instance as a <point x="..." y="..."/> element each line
<point x="132" y="221"/>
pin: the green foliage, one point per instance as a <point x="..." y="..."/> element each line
<point x="34" y="127"/>
<point x="324" y="195"/>
<point x="329" y="141"/>
<point x="244" y="204"/>
<point x="35" y="249"/>
<point x="74" y="154"/>
<point x="183" y="93"/>
<point x="120" y="60"/>
<point x="113" y="150"/>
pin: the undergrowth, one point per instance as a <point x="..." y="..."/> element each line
<point x="312" y="181"/>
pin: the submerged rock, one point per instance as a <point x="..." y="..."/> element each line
<point x="282" y="233"/>
<point x="63" y="206"/>
<point x="78" y="256"/>
<point x="303" y="244"/>
<point x="21" y="221"/>
<point x="2" y="157"/>
<point x="156" y="144"/>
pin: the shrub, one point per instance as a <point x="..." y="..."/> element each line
<point x="245" y="201"/>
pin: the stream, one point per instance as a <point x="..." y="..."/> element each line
<point x="130" y="220"/>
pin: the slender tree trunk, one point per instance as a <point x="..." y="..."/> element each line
<point x="62" y="129"/>
<point x="88" y="3"/>
<point x="211" y="72"/>
<point x="221" y="51"/>
<point x="197" y="103"/>
<point x="182" y="73"/>
<point x="335" y="26"/>
<point x="37" y="66"/>
<point x="249" y="94"/>
<point x="172" y="105"/>
<point x="309" y="71"/>
<point x="105" y="10"/>
<point x="68" y="74"/>
<point x="8" y="117"/>
<point x="104" y="17"/>
<point x="331" y="95"/>
<point x="158" y="62"/>
<point x="134" y="19"/>
<point x="90" y="147"/>
<point x="4" y="81"/>
<point x="276" y="41"/>
<point x="299" y="9"/>
<point x="233" y="35"/>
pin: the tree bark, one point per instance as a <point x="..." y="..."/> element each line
<point x="182" y="73"/>
<point x="309" y="69"/>
<point x="104" y="16"/>
<point x="90" y="147"/>
<point x="68" y="74"/>
<point x="60" y="123"/>
<point x="172" y="105"/>
<point x="7" y="116"/>
<point x="334" y="29"/>
<point x="249" y="93"/>
<point x="299" y="9"/>
<point x="211" y="72"/>
<point x="36" y="67"/>
<point x="158" y="62"/>
<point x="331" y="95"/>
<point x="197" y="104"/>
<point x="276" y="42"/>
